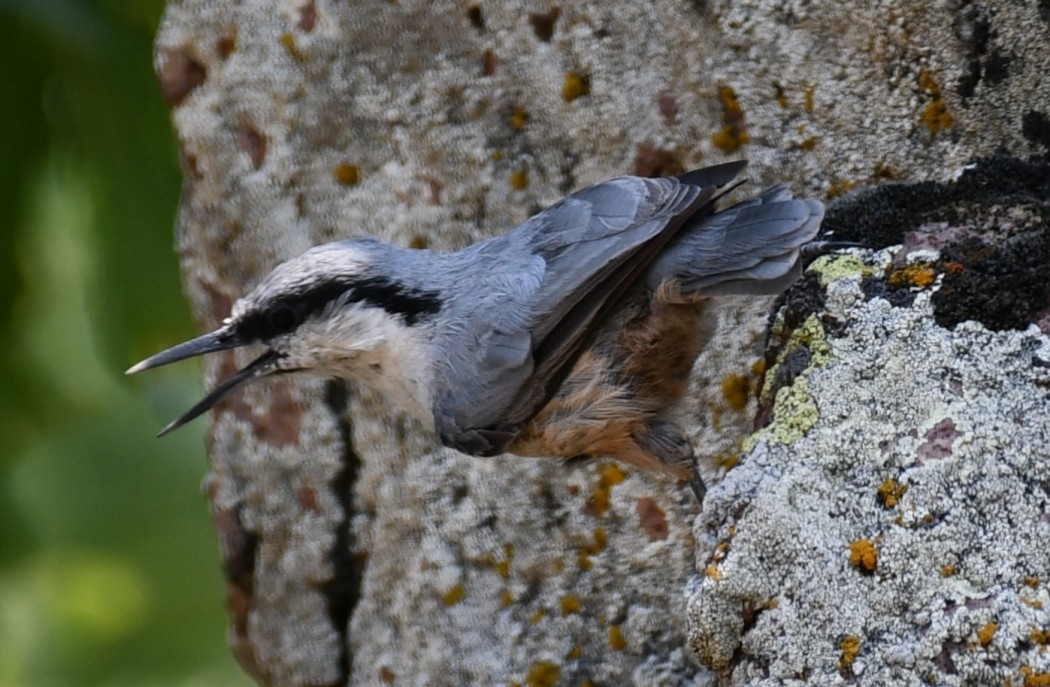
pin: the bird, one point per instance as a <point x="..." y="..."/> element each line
<point x="571" y="336"/>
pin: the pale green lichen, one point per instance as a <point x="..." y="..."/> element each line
<point x="794" y="412"/>
<point x="833" y="267"/>
<point x="811" y="334"/>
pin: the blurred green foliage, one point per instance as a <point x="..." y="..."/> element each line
<point x="109" y="573"/>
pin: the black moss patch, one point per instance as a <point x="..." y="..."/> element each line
<point x="1001" y="286"/>
<point x="992" y="227"/>
<point x="1035" y="126"/>
<point x="879" y="287"/>
<point x="799" y="301"/>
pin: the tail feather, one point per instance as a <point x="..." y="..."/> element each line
<point x="751" y="248"/>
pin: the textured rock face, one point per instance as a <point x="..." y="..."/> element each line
<point x="358" y="554"/>
<point x="889" y="524"/>
<point x="910" y="517"/>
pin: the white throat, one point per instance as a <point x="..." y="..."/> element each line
<point x="364" y="343"/>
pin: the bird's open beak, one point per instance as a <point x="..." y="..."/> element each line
<point x="219" y="340"/>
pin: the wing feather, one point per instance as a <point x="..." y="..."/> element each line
<point x="545" y="286"/>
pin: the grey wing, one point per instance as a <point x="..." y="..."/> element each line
<point x="751" y="248"/>
<point x="572" y="262"/>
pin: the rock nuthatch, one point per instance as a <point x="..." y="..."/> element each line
<point x="572" y="335"/>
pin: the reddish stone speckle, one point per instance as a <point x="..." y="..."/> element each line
<point x="180" y="73"/>
<point x="434" y="187"/>
<point x="939" y="440"/>
<point x="652" y="519"/>
<point x="668" y="108"/>
<point x="238" y="561"/>
<point x="239" y="605"/>
<point x="189" y="166"/>
<point x="655" y="162"/>
<point x="543" y="23"/>
<point x="226" y="45"/>
<point x="476" y="17"/>
<point x="252" y="141"/>
<point x="308" y="16"/>
<point x="281" y="423"/>
<point x="489" y="62"/>
<point x="308" y="498"/>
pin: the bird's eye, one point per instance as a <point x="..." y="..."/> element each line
<point x="282" y="318"/>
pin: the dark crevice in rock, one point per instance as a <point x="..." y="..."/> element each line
<point x="344" y="589"/>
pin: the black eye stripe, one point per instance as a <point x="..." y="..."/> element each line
<point x="285" y="313"/>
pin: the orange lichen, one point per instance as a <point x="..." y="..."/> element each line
<point x="543" y="674"/>
<point x="863" y="555"/>
<point x="947" y="570"/>
<point x="734" y="134"/>
<point x="713" y="572"/>
<point x="519" y="118"/>
<point x="570" y="605"/>
<point x="611" y="475"/>
<point x="608" y="476"/>
<point x="730" y="103"/>
<point x="807" y="98"/>
<point x="288" y="41"/>
<point x="574" y="653"/>
<point x="935" y="114"/>
<point x="575" y="85"/>
<point x="599" y="540"/>
<point x="1040" y="636"/>
<point x="850" y="647"/>
<point x="454" y="596"/>
<point x="1031" y="581"/>
<point x="506" y="598"/>
<point x="1034" y="679"/>
<point x="729" y="140"/>
<point x="839" y="188"/>
<point x="809" y="143"/>
<point x="891" y="491"/>
<point x="519" y="179"/>
<point x="616" y="639"/>
<point x="884" y="171"/>
<point x="735" y="391"/>
<point x="727" y="461"/>
<point x="986" y="634"/>
<point x="347" y="174"/>
<point x="1033" y="603"/>
<point x="537" y="616"/>
<point x="917" y="274"/>
<point x="780" y="95"/>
